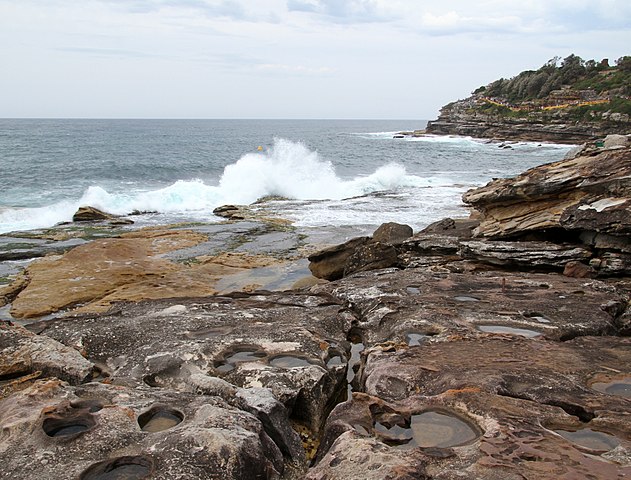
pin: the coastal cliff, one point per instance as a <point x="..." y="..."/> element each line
<point x="572" y="102"/>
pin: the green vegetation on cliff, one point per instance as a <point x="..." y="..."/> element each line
<point x="572" y="83"/>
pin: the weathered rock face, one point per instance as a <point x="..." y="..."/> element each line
<point x="280" y="342"/>
<point x="575" y="194"/>
<point x="331" y="262"/>
<point x="492" y="419"/>
<point x="581" y="204"/>
<point x="458" y="119"/>
<point x="55" y="431"/>
<point x="27" y="356"/>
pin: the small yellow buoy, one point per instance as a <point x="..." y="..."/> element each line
<point x="260" y="148"/>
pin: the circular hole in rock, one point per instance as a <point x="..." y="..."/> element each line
<point x="239" y="354"/>
<point x="159" y="418"/>
<point x="620" y="387"/>
<point x="121" y="468"/>
<point x="291" y="361"/>
<point x="415" y="339"/>
<point x="430" y="429"/>
<point x="68" y="426"/>
<point x="598" y="442"/>
<point x="152" y="380"/>
<point x="522" y="332"/>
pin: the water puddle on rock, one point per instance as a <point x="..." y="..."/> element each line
<point x="465" y="298"/>
<point x="620" y="387"/>
<point x="290" y="361"/>
<point x="415" y="339"/>
<point x="240" y="354"/>
<point x="65" y="426"/>
<point x="597" y="441"/>
<point x="522" y="332"/>
<point x="159" y="418"/>
<point x="122" y="468"/>
<point x="357" y="347"/>
<point x="427" y="429"/>
<point x="335" y="361"/>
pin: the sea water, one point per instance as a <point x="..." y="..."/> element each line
<point x="323" y="173"/>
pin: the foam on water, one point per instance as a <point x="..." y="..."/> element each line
<point x="288" y="169"/>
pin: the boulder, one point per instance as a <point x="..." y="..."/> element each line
<point x="371" y="256"/>
<point x="392" y="233"/>
<point x="231" y="212"/>
<point x="25" y="354"/>
<point x="330" y="263"/>
<point x="616" y="141"/>
<point x="91" y="214"/>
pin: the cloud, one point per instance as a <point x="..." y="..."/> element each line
<point x="343" y="11"/>
<point x="224" y="8"/>
<point x="106" y="52"/>
<point x="294" y="69"/>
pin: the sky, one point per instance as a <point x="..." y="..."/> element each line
<point x="293" y="59"/>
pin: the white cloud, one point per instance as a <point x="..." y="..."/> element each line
<point x="395" y="58"/>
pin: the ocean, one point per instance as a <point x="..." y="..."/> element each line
<point x="321" y="173"/>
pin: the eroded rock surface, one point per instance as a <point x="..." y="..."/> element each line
<point x="588" y="192"/>
<point x="518" y="397"/>
<point x="52" y="430"/>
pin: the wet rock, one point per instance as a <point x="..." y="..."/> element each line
<point x="146" y="264"/>
<point x="211" y="438"/>
<point x="392" y="233"/>
<point x="389" y="304"/>
<point x="91" y="214"/>
<point x="516" y="395"/>
<point x="331" y="262"/>
<point x="231" y="212"/>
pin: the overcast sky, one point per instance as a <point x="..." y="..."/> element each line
<point x="381" y="59"/>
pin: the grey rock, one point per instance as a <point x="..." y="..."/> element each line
<point x="392" y="233"/>
<point x="331" y="262"/>
<point x="371" y="256"/>
<point x="524" y="254"/>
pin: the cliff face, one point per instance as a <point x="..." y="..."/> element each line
<point x="468" y="117"/>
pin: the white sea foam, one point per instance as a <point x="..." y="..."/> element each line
<point x="288" y="169"/>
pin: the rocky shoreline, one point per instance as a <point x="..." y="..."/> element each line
<point x="492" y="347"/>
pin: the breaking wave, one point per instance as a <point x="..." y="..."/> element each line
<point x="288" y="169"/>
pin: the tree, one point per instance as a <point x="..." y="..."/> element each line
<point x="624" y="63"/>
